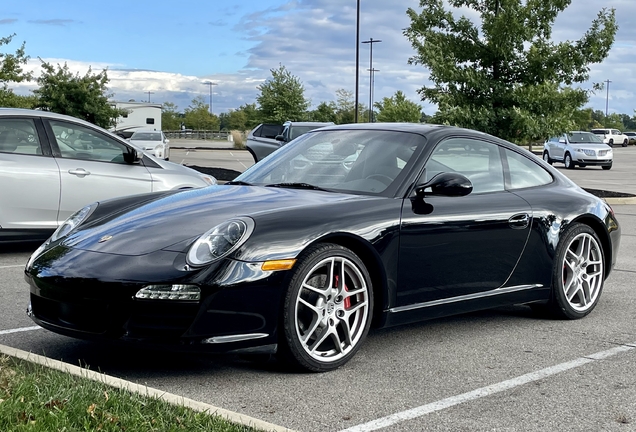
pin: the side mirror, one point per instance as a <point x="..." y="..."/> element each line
<point x="561" y="141"/>
<point x="449" y="184"/>
<point x="167" y="141"/>
<point x="133" y="156"/>
<point x="280" y="138"/>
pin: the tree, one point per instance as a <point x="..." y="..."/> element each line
<point x="282" y="97"/>
<point x="171" y="118"/>
<point x="503" y="75"/>
<point x="197" y="116"/>
<point x="84" y="97"/>
<point x="11" y="71"/>
<point x="345" y="108"/>
<point x="398" y="109"/>
<point x="252" y="115"/>
<point x="324" y="112"/>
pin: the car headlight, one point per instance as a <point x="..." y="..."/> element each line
<point x="73" y="222"/>
<point x="220" y="241"/>
<point x="159" y="150"/>
<point x="209" y="179"/>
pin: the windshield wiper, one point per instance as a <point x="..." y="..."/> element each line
<point x="297" y="186"/>
<point x="238" y="182"/>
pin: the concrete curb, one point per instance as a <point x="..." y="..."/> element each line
<point x="142" y="390"/>
<point x="618" y="201"/>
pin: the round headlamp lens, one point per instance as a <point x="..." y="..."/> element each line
<point x="72" y="222"/>
<point x="220" y="241"/>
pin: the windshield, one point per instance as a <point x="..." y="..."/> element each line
<point x="363" y="161"/>
<point x="297" y="131"/>
<point x="146" y="136"/>
<point x="583" y="137"/>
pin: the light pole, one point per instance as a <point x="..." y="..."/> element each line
<point x="607" y="99"/>
<point x="355" y="114"/>
<point x="210" y="84"/>
<point x="371" y="116"/>
<point x="371" y="41"/>
<point x="149" y="93"/>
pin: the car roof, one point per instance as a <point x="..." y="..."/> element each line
<point x="39" y="113"/>
<point x="145" y="130"/>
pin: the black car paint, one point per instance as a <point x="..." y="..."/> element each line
<point x="236" y="290"/>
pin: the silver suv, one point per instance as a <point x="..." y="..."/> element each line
<point x="265" y="138"/>
<point x="578" y="148"/>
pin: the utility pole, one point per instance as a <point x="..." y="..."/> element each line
<point x="371" y="115"/>
<point x="371" y="41"/>
<point x="210" y="84"/>
<point x="607" y="99"/>
<point x="149" y="93"/>
<point x="355" y="114"/>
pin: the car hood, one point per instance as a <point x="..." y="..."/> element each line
<point x="145" y="144"/>
<point x="174" y="221"/>
<point x="591" y="146"/>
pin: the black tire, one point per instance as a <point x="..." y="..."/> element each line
<point x="611" y="142"/>
<point x="314" y="336"/>
<point x="607" y="167"/>
<point x="625" y="143"/>
<point x="567" y="161"/>
<point x="579" y="276"/>
<point x="547" y="158"/>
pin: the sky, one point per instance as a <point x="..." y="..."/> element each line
<point x="166" y="51"/>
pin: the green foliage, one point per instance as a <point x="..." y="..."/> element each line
<point x="324" y="112"/>
<point x="504" y="76"/>
<point x="398" y="109"/>
<point x="11" y="64"/>
<point x="84" y="97"/>
<point x="282" y="97"/>
<point x="345" y="108"/>
<point x="234" y="120"/>
<point x="197" y="116"/>
<point x="252" y="115"/>
<point x="171" y="118"/>
<point x="8" y="99"/>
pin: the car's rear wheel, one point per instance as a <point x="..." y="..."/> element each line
<point x="546" y="158"/>
<point x="578" y="274"/>
<point x="567" y="161"/>
<point x="328" y="309"/>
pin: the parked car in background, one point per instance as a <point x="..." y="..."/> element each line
<point x="266" y="138"/>
<point x="612" y="136"/>
<point x="51" y="165"/>
<point x="631" y="136"/>
<point x="302" y="253"/>
<point x="152" y="141"/>
<point x="578" y="148"/>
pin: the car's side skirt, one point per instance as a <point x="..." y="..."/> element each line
<point x="467" y="303"/>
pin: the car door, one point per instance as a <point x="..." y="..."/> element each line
<point x="29" y="175"/>
<point x="263" y="140"/>
<point x="92" y="167"/>
<point x="456" y="246"/>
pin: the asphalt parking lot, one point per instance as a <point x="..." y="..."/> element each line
<point x="503" y="370"/>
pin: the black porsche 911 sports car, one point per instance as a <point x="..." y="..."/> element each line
<point x="346" y="227"/>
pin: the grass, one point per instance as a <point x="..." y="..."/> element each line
<point x="34" y="398"/>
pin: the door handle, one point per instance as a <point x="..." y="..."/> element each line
<point x="519" y="221"/>
<point x="80" y="172"/>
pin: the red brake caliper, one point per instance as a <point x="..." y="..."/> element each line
<point x="347" y="301"/>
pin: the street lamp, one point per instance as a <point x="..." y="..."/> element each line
<point x="372" y="71"/>
<point x="355" y="114"/>
<point x="607" y="100"/>
<point x="149" y="93"/>
<point x="210" y="84"/>
<point x="371" y="41"/>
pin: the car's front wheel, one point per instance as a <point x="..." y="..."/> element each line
<point x="546" y="158"/>
<point x="328" y="309"/>
<point x="625" y="143"/>
<point x="578" y="273"/>
<point x="567" y="161"/>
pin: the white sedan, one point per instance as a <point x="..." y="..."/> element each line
<point x="151" y="141"/>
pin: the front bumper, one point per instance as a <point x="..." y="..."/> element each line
<point x="238" y="310"/>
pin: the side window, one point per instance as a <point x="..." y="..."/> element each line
<point x="616" y="132"/>
<point x="479" y="161"/>
<point x="150" y="120"/>
<point x="258" y="131"/>
<point x="80" y="142"/>
<point x="19" y="136"/>
<point x="524" y="173"/>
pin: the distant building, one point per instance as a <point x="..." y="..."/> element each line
<point x="141" y="115"/>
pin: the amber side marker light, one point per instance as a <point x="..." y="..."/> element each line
<point x="278" y="265"/>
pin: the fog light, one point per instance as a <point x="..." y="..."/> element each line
<point x="170" y="292"/>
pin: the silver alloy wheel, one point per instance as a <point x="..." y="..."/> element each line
<point x="568" y="161"/>
<point x="582" y="272"/>
<point x="331" y="309"/>
<point x="546" y="157"/>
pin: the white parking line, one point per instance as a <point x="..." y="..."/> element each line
<point x="487" y="391"/>
<point x="18" y="330"/>
<point x="12" y="266"/>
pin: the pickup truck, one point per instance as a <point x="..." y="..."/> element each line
<point x="266" y="138"/>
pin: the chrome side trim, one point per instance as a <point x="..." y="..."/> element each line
<point x="234" y="338"/>
<point x="466" y="297"/>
